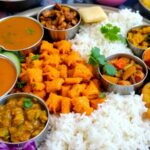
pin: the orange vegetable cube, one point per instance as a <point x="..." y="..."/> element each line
<point x="51" y="72"/>
<point x="72" y="80"/>
<point x="63" y="71"/>
<point x="91" y="91"/>
<point x="54" y="85"/>
<point x="65" y="105"/>
<point x="82" y="71"/>
<point x="38" y="86"/>
<point x="76" y="90"/>
<point x="34" y="75"/>
<point x="82" y="105"/>
<point x="63" y="46"/>
<point x="41" y="93"/>
<point x="65" y="89"/>
<point x="94" y="102"/>
<point x="72" y="58"/>
<point x="54" y="102"/>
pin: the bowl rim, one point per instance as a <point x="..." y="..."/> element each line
<point x="144" y="6"/>
<point x="14" y="66"/>
<point x="26" y="17"/>
<point x="49" y="7"/>
<point x="130" y="43"/>
<point x="143" y="57"/>
<point x="41" y="102"/>
<point x="137" y="59"/>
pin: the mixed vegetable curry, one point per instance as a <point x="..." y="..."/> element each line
<point x="21" y="119"/>
<point x="127" y="71"/>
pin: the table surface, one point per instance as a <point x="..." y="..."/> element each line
<point x="128" y="4"/>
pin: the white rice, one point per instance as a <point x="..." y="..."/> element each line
<point x="90" y="35"/>
<point x="116" y="125"/>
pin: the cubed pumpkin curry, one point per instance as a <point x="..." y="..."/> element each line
<point x="62" y="78"/>
<point x="21" y="119"/>
<point x="128" y="71"/>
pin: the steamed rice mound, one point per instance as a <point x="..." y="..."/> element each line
<point x="116" y="125"/>
<point x="90" y="35"/>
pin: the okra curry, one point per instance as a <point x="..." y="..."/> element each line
<point x="21" y="119"/>
<point x="17" y="33"/>
<point x="128" y="72"/>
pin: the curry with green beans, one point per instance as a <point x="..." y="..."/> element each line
<point x="21" y="119"/>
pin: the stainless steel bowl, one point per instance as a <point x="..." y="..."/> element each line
<point x="9" y="90"/>
<point x="61" y="34"/>
<point x="148" y="49"/>
<point x="121" y="89"/>
<point x="35" y="141"/>
<point x="18" y="5"/>
<point x="145" y="10"/>
<point x="32" y="47"/>
<point x="136" y="50"/>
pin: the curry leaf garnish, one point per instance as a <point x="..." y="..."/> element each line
<point x="102" y="95"/>
<point x="20" y="84"/>
<point x="112" y="33"/>
<point x="36" y="56"/>
<point x="27" y="103"/>
<point x="96" y="59"/>
<point x="109" y="69"/>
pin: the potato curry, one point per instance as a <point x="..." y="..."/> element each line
<point x="21" y="119"/>
<point x="128" y="71"/>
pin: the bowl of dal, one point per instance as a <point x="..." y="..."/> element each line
<point x="19" y="33"/>
<point x="8" y="75"/>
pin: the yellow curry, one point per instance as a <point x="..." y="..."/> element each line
<point x="21" y="119"/>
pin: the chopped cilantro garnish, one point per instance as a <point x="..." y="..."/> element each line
<point x="109" y="69"/>
<point x="96" y="59"/>
<point x="27" y="103"/>
<point x="20" y="84"/>
<point x="102" y="95"/>
<point x="112" y="33"/>
<point x="30" y="31"/>
<point x="36" y="56"/>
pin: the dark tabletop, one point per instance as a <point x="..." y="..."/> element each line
<point x="128" y="4"/>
